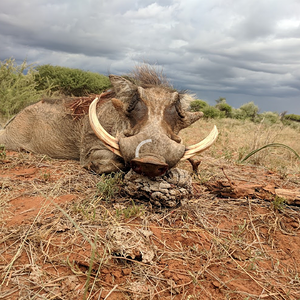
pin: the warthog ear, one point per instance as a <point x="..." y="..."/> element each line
<point x="118" y="105"/>
<point x="122" y="86"/>
<point x="188" y="119"/>
<point x="192" y="117"/>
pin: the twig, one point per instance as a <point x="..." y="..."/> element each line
<point x="231" y="185"/>
<point x="111" y="291"/>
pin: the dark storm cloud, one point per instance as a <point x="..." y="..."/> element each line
<point x="242" y="50"/>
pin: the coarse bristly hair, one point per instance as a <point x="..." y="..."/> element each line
<point x="149" y="75"/>
<point x="146" y="75"/>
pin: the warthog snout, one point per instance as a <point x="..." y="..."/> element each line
<point x="149" y="166"/>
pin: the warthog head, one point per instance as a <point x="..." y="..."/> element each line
<point x="154" y="115"/>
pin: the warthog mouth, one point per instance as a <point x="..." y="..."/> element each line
<point x="149" y="166"/>
<point x="156" y="167"/>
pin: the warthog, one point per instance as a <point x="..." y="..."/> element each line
<point x="135" y="124"/>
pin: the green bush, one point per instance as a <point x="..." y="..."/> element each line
<point x="17" y="86"/>
<point x="226" y="108"/>
<point x="212" y="112"/>
<point x="198" y="105"/>
<point x="209" y="111"/>
<point x="249" y="110"/>
<point x="238" y="114"/>
<point x="292" y="117"/>
<point x="269" y="117"/>
<point x="73" y="82"/>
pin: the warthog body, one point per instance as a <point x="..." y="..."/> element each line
<point x="144" y="119"/>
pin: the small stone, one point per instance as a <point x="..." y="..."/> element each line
<point x="173" y="192"/>
<point x="164" y="191"/>
<point x="164" y="185"/>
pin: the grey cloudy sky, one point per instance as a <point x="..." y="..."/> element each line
<point x="243" y="50"/>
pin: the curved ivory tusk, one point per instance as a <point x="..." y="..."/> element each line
<point x="110" y="142"/>
<point x="193" y="150"/>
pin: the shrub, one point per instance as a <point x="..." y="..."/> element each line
<point x="198" y="105"/>
<point x="269" y="117"/>
<point x="292" y="117"/>
<point x="17" y="86"/>
<point x="249" y="110"/>
<point x="226" y="108"/>
<point x="73" y="82"/>
<point x="238" y="114"/>
<point x="212" y="112"/>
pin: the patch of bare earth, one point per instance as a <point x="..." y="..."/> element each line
<point x="62" y="239"/>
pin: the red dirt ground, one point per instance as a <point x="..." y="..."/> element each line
<point x="235" y="239"/>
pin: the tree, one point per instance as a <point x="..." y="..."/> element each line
<point x="221" y="100"/>
<point x="198" y="105"/>
<point x="249" y="110"/>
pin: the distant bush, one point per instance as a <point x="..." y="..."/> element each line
<point x="292" y="117"/>
<point x="246" y="111"/>
<point x="198" y="105"/>
<point x="269" y="117"/>
<point x="226" y="108"/>
<point x="249" y="110"/>
<point x="17" y="89"/>
<point x="238" y="114"/>
<point x="73" y="82"/>
<point x="212" y="112"/>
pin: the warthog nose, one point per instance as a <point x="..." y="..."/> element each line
<point x="149" y="166"/>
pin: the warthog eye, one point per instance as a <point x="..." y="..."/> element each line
<point x="135" y="99"/>
<point x="179" y="109"/>
<point x="137" y="110"/>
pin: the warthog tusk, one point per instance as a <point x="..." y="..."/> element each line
<point x="110" y="142"/>
<point x="193" y="150"/>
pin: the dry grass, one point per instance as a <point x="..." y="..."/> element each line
<point x="238" y="138"/>
<point x="209" y="248"/>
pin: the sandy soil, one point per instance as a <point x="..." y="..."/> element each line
<point x="61" y="238"/>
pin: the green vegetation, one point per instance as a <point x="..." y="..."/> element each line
<point x="248" y="111"/>
<point x="24" y="84"/>
<point x="17" y="90"/>
<point x="109" y="185"/>
<point x="198" y="105"/>
<point x="271" y="145"/>
<point x="131" y="211"/>
<point x="67" y="81"/>
<point x="225" y="108"/>
<point x="278" y="203"/>
<point x="212" y="112"/>
<point x="269" y="117"/>
<point x="292" y="117"/>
